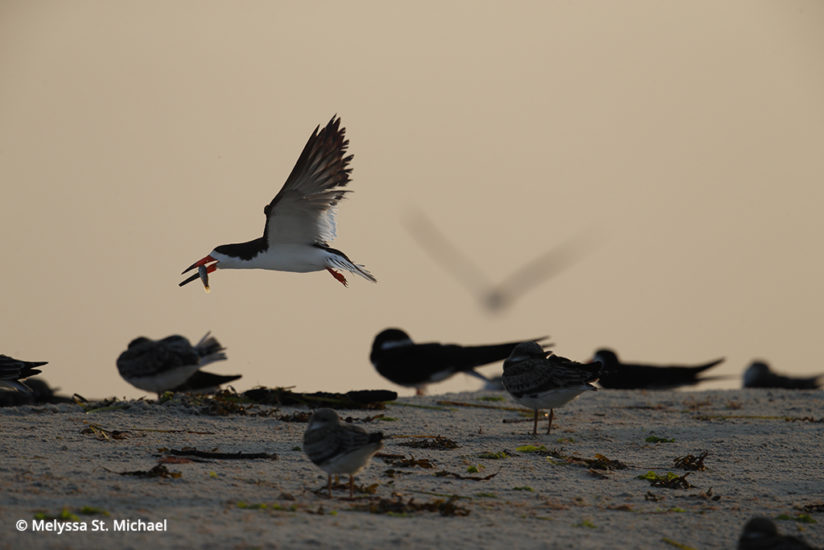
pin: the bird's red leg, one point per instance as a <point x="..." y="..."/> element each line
<point x="535" y="423"/>
<point x="551" y="414"/>
<point x="338" y="276"/>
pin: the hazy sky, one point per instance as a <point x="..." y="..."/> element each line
<point x="686" y="137"/>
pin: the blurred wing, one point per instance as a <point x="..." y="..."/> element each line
<point x="451" y="257"/>
<point x="542" y="268"/>
<point x="303" y="212"/>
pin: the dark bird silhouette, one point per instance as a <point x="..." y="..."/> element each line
<point x="759" y="375"/>
<point x="495" y="297"/>
<point x="628" y="376"/>
<point x="12" y="371"/>
<point x="398" y="359"/>
<point x="172" y="364"/>
<point x="538" y="379"/>
<point x="760" y="533"/>
<point x="40" y="394"/>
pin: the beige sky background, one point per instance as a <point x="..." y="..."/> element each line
<point x="687" y="137"/>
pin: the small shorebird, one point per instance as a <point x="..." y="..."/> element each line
<point x="300" y="220"/>
<point x="398" y="359"/>
<point x="339" y="448"/>
<point x="172" y="364"/>
<point x="538" y="379"/>
<point x="12" y="371"/>
<point x="626" y="376"/>
<point x="760" y="533"/>
<point x="759" y="375"/>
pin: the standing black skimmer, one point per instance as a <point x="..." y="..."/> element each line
<point x="406" y="363"/>
<point x="12" y="371"/>
<point x="172" y="364"/>
<point x="759" y="375"/>
<point x="300" y="220"/>
<point x="337" y="447"/>
<point x="760" y="533"/>
<point x="626" y="376"/>
<point x="537" y="379"/>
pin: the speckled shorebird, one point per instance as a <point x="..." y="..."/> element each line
<point x="398" y="359"/>
<point x="300" y="220"/>
<point x="12" y="371"/>
<point x="538" y="379"/>
<point x="172" y="364"/>
<point x="760" y="533"/>
<point x="629" y="376"/>
<point x="759" y="375"/>
<point x="338" y="447"/>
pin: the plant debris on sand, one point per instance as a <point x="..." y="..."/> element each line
<point x="355" y="399"/>
<point x="402" y="462"/>
<point x="398" y="507"/>
<point x="438" y="443"/>
<point x="192" y="452"/>
<point x="444" y="473"/>
<point x="669" y="480"/>
<point x="691" y="462"/>
<point x="158" y="471"/>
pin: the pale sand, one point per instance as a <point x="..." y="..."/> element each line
<point x="758" y="464"/>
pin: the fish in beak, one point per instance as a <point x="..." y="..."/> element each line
<point x="202" y="271"/>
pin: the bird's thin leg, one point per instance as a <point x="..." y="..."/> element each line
<point x="551" y="414"/>
<point x="338" y="276"/>
<point x="419" y="390"/>
<point x="329" y="484"/>
<point x="535" y="423"/>
<point x="351" y="485"/>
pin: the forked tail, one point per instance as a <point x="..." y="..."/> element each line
<point x="210" y="350"/>
<point x="343" y="262"/>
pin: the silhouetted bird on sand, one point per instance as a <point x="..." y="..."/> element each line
<point x="759" y="375"/>
<point x="172" y="364"/>
<point x="12" y="371"/>
<point x="760" y="533"/>
<point x="397" y="358"/>
<point x="628" y="376"/>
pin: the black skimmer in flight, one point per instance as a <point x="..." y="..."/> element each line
<point x="338" y="447"/>
<point x="495" y="297"/>
<point x="172" y="364"/>
<point x="538" y="379"/>
<point x="627" y="376"/>
<point x="300" y="220"/>
<point x="759" y="375"/>
<point x="398" y="359"/>
<point x="12" y="371"/>
<point x="760" y="533"/>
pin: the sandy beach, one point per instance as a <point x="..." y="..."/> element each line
<point x="577" y="487"/>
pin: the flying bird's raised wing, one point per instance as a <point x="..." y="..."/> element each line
<point x="303" y="211"/>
